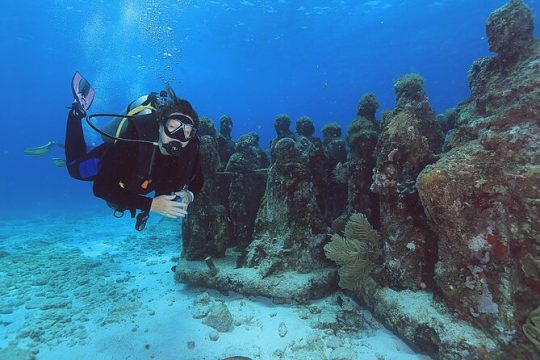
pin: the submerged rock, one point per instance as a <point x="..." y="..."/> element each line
<point x="362" y="136"/>
<point x="510" y="30"/>
<point x="282" y="329"/>
<point x="343" y="353"/>
<point x="246" y="187"/>
<point x="225" y="148"/>
<point x="14" y="353"/>
<point x="407" y="144"/>
<point x="214" y="336"/>
<point x="367" y="107"/>
<point x="282" y="287"/>
<point x="285" y="261"/>
<point x="333" y="197"/>
<point x="206" y="231"/>
<point x="481" y="197"/>
<point x="207" y="128"/>
<point x="219" y="318"/>
<point x="305" y="127"/>
<point x="510" y="34"/>
<point x="281" y="125"/>
<point x="224" y="140"/>
<point x="312" y="153"/>
<point x="463" y="223"/>
<point x="288" y="222"/>
<point x="417" y="318"/>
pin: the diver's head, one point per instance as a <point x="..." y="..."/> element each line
<point x="178" y="126"/>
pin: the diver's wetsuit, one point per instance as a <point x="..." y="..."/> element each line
<point x="118" y="164"/>
<point x="81" y="165"/>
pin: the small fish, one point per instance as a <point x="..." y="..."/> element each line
<point x="40" y="150"/>
<point x="237" y="358"/>
<point x="58" y="162"/>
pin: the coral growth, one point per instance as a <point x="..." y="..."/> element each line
<point x="304" y="126"/>
<point x="356" y="253"/>
<point x="362" y="137"/>
<point x="224" y="140"/>
<point x="410" y="86"/>
<point x="510" y="30"/>
<point x="206" y="231"/>
<point x="281" y="125"/>
<point x="481" y="197"/>
<point x="206" y="127"/>
<point x="408" y="143"/>
<point x="367" y="107"/>
<point x="312" y="154"/>
<point x="288" y="227"/>
<point x="331" y="130"/>
<point x="462" y="223"/>
<point x="334" y="195"/>
<point x="246" y="187"/>
<point x="225" y="126"/>
<point x="531" y="328"/>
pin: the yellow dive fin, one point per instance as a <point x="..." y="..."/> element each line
<point x="40" y="150"/>
<point x="59" y="162"/>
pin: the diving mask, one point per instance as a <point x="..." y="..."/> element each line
<point x="180" y="127"/>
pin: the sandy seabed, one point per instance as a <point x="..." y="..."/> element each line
<point x="94" y="288"/>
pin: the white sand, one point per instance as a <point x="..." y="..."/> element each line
<point x="94" y="288"/>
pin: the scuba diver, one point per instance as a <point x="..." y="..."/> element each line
<point x="154" y="147"/>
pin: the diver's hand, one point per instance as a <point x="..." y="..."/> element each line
<point x="78" y="110"/>
<point x="166" y="206"/>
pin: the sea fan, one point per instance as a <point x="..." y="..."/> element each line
<point x="356" y="253"/>
<point x="531" y="328"/>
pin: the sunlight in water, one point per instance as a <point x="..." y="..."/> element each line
<point x="130" y="14"/>
<point x="92" y="33"/>
<point x="156" y="26"/>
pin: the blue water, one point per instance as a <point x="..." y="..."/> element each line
<point x="249" y="59"/>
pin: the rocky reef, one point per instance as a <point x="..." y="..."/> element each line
<point x="334" y="200"/>
<point x="289" y="227"/>
<point x="450" y="260"/>
<point x="224" y="140"/>
<point x="246" y="186"/>
<point x="283" y="258"/>
<point x="312" y="154"/>
<point x="207" y="231"/>
<point x="281" y="125"/>
<point x="408" y="143"/>
<point x="362" y="137"/>
<point x="481" y="197"/>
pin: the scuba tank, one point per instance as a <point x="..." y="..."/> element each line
<point x="144" y="105"/>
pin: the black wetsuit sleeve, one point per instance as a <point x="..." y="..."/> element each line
<point x="197" y="178"/>
<point x="117" y="165"/>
